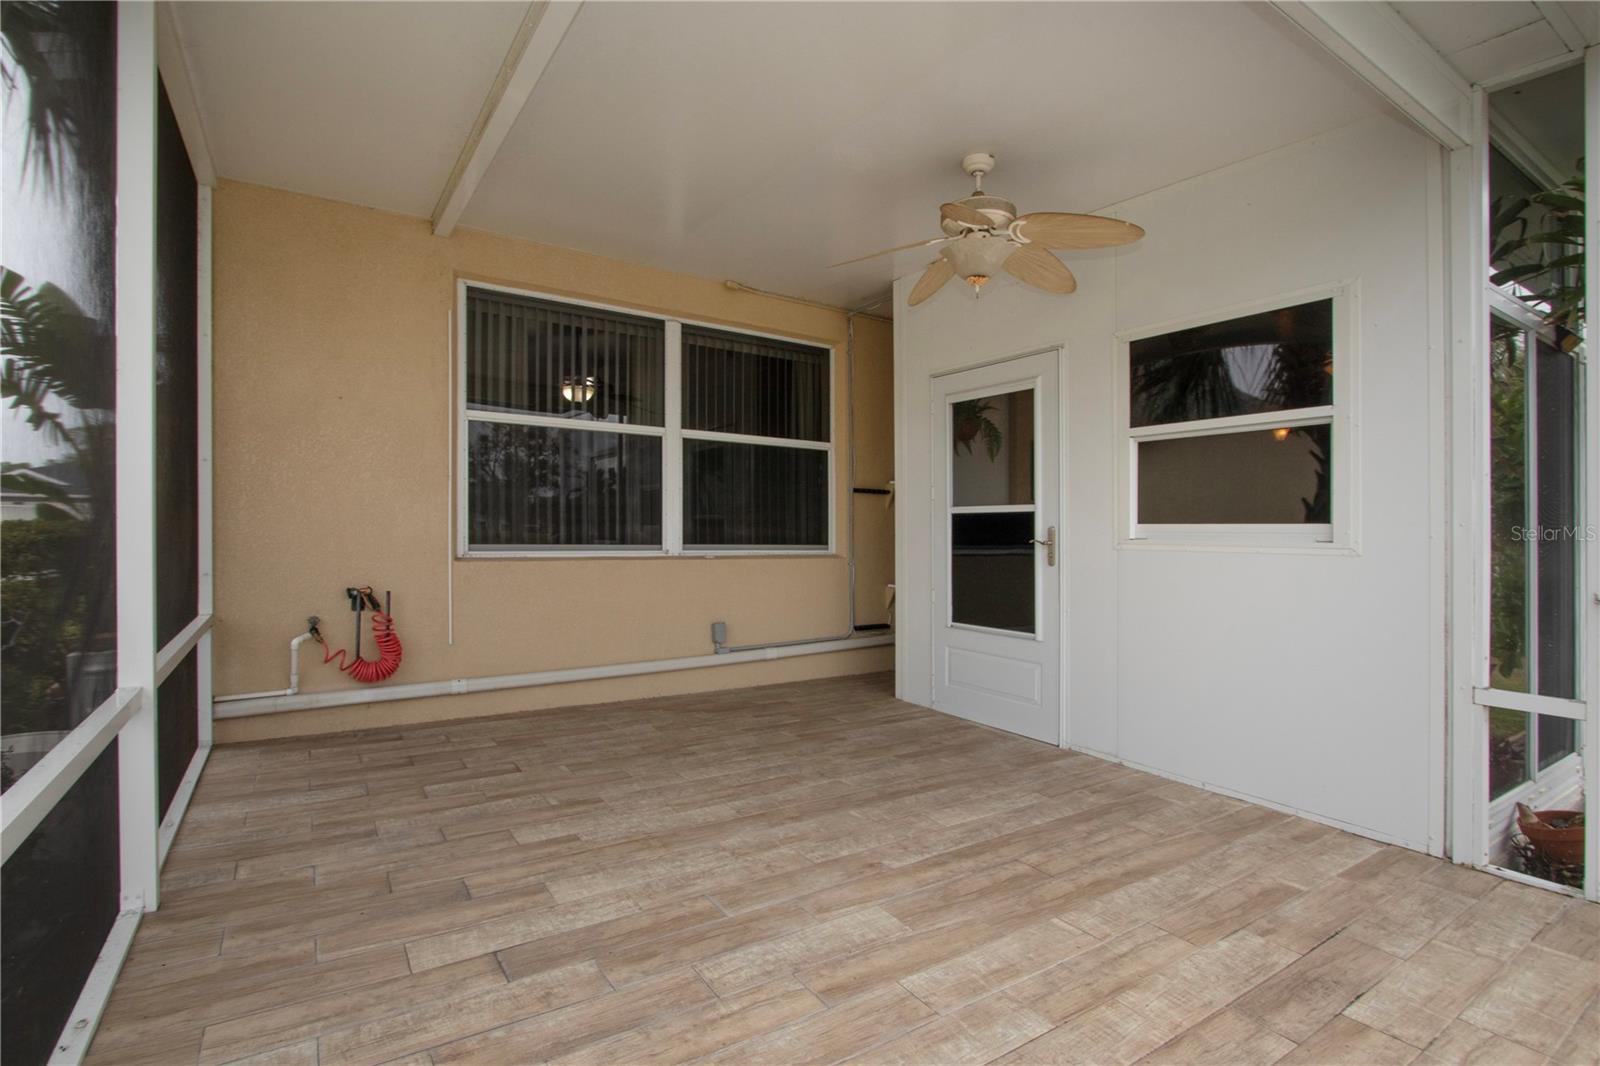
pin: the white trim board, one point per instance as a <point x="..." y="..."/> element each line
<point x="137" y="747"/>
<point x="1310" y="816"/>
<point x="31" y="799"/>
<point x="173" y="57"/>
<point x="76" y="1036"/>
<point x="1384" y="51"/>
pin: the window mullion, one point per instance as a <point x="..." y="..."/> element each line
<point x="672" y="444"/>
<point x="1207" y="427"/>
<point x="514" y="418"/>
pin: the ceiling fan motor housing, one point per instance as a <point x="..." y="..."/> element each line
<point x="997" y="209"/>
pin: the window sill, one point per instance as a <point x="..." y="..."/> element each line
<point x="1256" y="540"/>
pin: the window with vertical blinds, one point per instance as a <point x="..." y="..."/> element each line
<point x="754" y="412"/>
<point x="564" y="428"/>
<point x="571" y="443"/>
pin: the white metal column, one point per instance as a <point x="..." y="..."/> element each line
<point x="1590" y="506"/>
<point x="1469" y="475"/>
<point x="138" y="802"/>
<point x="203" y="491"/>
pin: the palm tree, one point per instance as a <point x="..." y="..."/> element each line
<point x="57" y="61"/>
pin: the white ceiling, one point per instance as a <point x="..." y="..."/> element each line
<point x="757" y="142"/>
<point x="364" y="102"/>
<point x="1490" y="40"/>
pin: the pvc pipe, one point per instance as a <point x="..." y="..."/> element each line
<point x="294" y="680"/>
<point x="245" y="706"/>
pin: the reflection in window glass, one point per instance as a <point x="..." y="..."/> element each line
<point x="754" y="496"/>
<point x="756" y="386"/>
<point x="535" y="356"/>
<point x="1274" y="476"/>
<point x="58" y="521"/>
<point x="992" y="437"/>
<point x="1510" y="549"/>
<point x="1273" y="361"/>
<point x="535" y="487"/>
<point x="1508" y="751"/>
<point x="57" y="538"/>
<point x="992" y="562"/>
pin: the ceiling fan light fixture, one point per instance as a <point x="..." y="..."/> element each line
<point x="977" y="256"/>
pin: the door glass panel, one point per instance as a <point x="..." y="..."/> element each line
<point x="993" y="441"/>
<point x="991" y="570"/>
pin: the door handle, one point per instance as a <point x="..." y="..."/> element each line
<point x="1049" y="545"/>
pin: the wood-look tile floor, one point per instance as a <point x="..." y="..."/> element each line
<point x="810" y="873"/>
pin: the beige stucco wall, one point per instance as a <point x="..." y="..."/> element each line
<point x="334" y="450"/>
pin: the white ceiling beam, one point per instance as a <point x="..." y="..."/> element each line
<point x="1385" y="52"/>
<point x="535" y="43"/>
<point x="173" y="61"/>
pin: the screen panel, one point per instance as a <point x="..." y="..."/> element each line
<point x="61" y="890"/>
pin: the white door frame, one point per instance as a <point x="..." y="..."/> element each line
<point x="939" y="557"/>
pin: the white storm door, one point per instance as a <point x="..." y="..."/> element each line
<point x="996" y="545"/>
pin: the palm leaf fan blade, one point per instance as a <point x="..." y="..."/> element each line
<point x="932" y="280"/>
<point x="1039" y="268"/>
<point x="1062" y="229"/>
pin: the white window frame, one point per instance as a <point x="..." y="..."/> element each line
<point x="1341" y="534"/>
<point x="671" y="434"/>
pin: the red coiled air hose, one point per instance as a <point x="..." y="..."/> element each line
<point x="371" y="670"/>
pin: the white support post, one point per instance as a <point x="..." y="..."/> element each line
<point x="204" y="684"/>
<point x="1468" y="414"/>
<point x="138" y="804"/>
<point x="1590" y="509"/>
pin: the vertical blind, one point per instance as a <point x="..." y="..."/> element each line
<point x="535" y="487"/>
<point x="522" y="354"/>
<point x="532" y="487"/>
<point x="734" y="383"/>
<point x="740" y="495"/>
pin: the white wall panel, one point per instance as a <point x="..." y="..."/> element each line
<point x="1301" y="678"/>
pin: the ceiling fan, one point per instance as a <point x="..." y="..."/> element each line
<point x="984" y="234"/>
